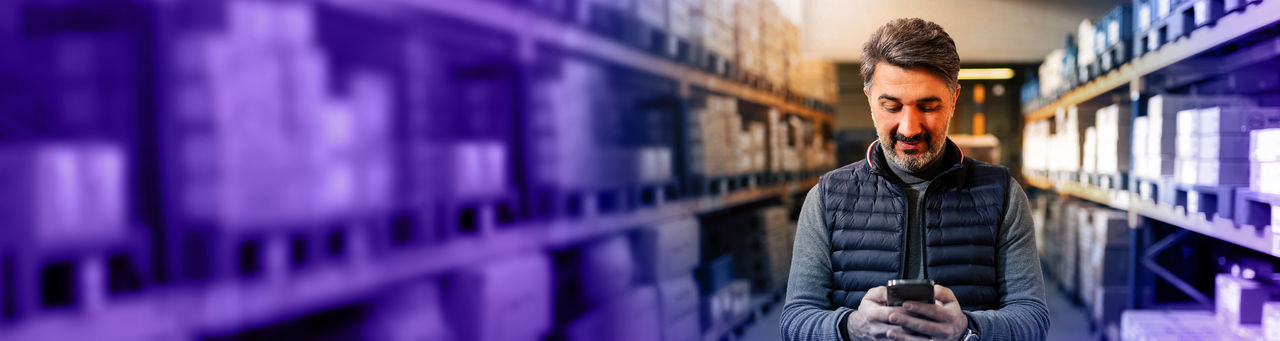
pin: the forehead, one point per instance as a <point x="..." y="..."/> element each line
<point x="906" y="83"/>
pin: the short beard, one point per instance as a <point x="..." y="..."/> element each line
<point x="914" y="162"/>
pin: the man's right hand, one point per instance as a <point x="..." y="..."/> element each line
<point x="871" y="320"/>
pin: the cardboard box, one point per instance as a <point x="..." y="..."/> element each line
<point x="678" y="297"/>
<point x="669" y="250"/>
<point x="484" y="305"/>
<point x="633" y="317"/>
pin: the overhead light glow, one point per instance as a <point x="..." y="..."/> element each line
<point x="993" y="73"/>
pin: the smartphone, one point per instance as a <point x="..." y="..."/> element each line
<point x="902" y="290"/>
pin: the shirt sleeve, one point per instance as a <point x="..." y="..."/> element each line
<point x="1023" y="314"/>
<point x="807" y="314"/>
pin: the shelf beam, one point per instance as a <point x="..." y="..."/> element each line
<point x="1228" y="28"/>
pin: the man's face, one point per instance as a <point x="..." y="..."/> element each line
<point x="912" y="110"/>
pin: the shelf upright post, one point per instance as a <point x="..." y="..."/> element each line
<point x="1139" y="230"/>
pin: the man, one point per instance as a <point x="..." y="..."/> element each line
<point x="915" y="208"/>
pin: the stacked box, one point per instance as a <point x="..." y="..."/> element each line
<point x="1264" y="158"/>
<point x="1070" y="128"/>
<point x="633" y="317"/>
<point x="761" y="248"/>
<point x="1086" y="52"/>
<point x="651" y="12"/>
<point x="1271" y="321"/>
<point x="1108" y="259"/>
<point x="814" y="78"/>
<point x="1160" y="146"/>
<point x="778" y="37"/>
<point x="749" y="44"/>
<point x="484" y="305"/>
<point x="63" y="193"/>
<point x="725" y="307"/>
<point x="1115" y="31"/>
<point x="779" y="239"/>
<point x="1239" y="301"/>
<point x="1036" y="146"/>
<point x="666" y="255"/>
<point x="720" y="146"/>
<point x="714" y="28"/>
<point x="667" y="251"/>
<point x="680" y="17"/>
<point x="1089" y="162"/>
<point x="1051" y="74"/>
<point x="1114" y="141"/>
<point x="1172" y="325"/>
<point x="275" y="146"/>
<point x="679" y="302"/>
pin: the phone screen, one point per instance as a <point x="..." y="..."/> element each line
<point x="909" y="290"/>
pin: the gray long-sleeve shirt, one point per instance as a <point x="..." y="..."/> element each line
<point x="809" y="314"/>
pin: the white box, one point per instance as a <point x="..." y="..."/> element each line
<point x="505" y="300"/>
<point x="678" y="297"/>
<point x="1233" y="119"/>
<point x="1239" y="301"/>
<point x="1215" y="172"/>
<point x="1271" y="320"/>
<point x="1223" y="146"/>
<point x="1187" y="122"/>
<point x="634" y="317"/>
<point x="1264" y="177"/>
<point x="1264" y="145"/>
<point x="669" y="250"/>
<point x="1188" y="146"/>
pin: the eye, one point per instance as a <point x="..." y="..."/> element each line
<point x="893" y="108"/>
<point x="929" y="107"/>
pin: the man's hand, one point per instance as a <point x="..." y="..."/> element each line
<point x="871" y="320"/>
<point x="941" y="321"/>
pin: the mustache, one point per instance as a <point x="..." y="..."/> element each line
<point x="922" y="137"/>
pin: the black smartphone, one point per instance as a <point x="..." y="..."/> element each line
<point x="902" y="290"/>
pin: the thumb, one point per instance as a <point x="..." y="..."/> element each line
<point x="943" y="295"/>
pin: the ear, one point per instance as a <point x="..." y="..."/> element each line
<point x="955" y="98"/>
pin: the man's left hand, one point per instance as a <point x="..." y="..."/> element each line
<point x="941" y="321"/>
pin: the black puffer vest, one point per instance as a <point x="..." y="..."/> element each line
<point x="865" y="207"/>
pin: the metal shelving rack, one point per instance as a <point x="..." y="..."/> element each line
<point x="1238" y="39"/>
<point x="183" y="312"/>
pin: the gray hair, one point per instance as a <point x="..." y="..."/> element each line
<point x="912" y="43"/>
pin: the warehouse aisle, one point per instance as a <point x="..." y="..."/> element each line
<point x="1066" y="320"/>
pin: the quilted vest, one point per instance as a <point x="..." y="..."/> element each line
<point x="865" y="207"/>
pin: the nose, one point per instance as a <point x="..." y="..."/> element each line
<point x="911" y="123"/>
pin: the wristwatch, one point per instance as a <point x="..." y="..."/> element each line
<point x="969" y="335"/>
